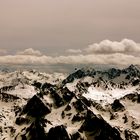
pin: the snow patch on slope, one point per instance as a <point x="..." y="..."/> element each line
<point x="107" y="96"/>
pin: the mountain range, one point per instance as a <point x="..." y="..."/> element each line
<point x="88" y="104"/>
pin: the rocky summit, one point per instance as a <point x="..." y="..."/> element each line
<point x="88" y="104"/>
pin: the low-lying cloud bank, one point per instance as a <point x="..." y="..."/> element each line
<point x="121" y="53"/>
<point x="119" y="59"/>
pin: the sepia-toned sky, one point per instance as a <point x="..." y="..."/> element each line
<point x="59" y="27"/>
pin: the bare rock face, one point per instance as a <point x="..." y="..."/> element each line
<point x="135" y="82"/>
<point x="134" y="125"/>
<point x="58" y="133"/>
<point x="112" y="73"/>
<point x="58" y="100"/>
<point x="37" y="85"/>
<point x="76" y="75"/>
<point x="117" y="106"/>
<point x="79" y="106"/>
<point x="86" y="101"/>
<point x="134" y="97"/>
<point x="7" y="97"/>
<point x="68" y="107"/>
<point x="67" y="94"/>
<point x="46" y="85"/>
<point x="98" y="128"/>
<point x="130" y="135"/>
<point x="35" y="131"/>
<point x="36" y="108"/>
<point x="113" y="116"/>
<point x="77" y="136"/>
<point x="22" y="120"/>
<point x="78" y="117"/>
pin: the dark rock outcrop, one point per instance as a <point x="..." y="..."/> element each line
<point x="136" y="82"/>
<point x="35" y="131"/>
<point x="58" y="100"/>
<point x="86" y="101"/>
<point x="76" y="136"/>
<point x="135" y="125"/>
<point x="37" y="85"/>
<point x="68" y="107"/>
<point x="134" y="97"/>
<point x="78" y="117"/>
<point x="58" y="133"/>
<point x="7" y="88"/>
<point x="112" y="73"/>
<point x="117" y="106"/>
<point x="21" y="120"/>
<point x="113" y="116"/>
<point x="130" y="135"/>
<point x="79" y="106"/>
<point x="79" y="74"/>
<point x="5" y="97"/>
<point x="132" y="70"/>
<point x="99" y="129"/>
<point x="67" y="94"/>
<point x="36" y="108"/>
<point x="47" y="86"/>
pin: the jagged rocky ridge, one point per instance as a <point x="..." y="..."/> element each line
<point x="65" y="111"/>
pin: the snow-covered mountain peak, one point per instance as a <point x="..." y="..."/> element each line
<point x="88" y="104"/>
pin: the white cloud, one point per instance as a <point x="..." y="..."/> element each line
<point x="122" y="53"/>
<point x="29" y="51"/>
<point x="107" y="46"/>
<point x="73" y="51"/>
<point x="117" y="58"/>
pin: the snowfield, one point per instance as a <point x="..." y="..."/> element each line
<point x="107" y="96"/>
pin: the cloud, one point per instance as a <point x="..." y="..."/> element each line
<point x="29" y="51"/>
<point x="74" y="51"/>
<point x="117" y="58"/>
<point x="107" y="46"/>
<point x="107" y="52"/>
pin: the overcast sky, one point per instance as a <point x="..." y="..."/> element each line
<point x="72" y="28"/>
<point x="55" y="25"/>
